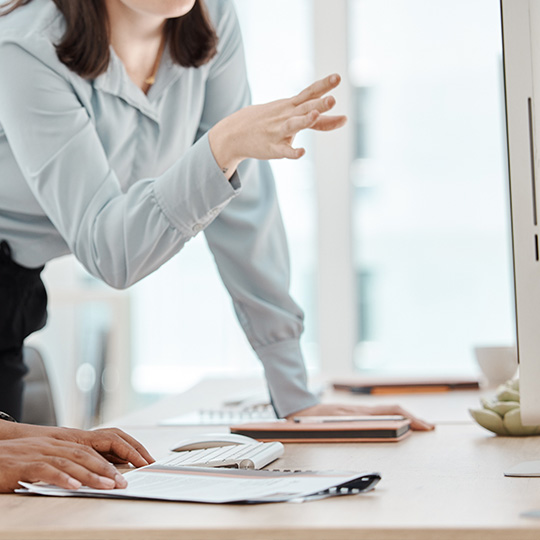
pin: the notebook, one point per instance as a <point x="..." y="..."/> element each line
<point x="350" y="431"/>
<point x="405" y="385"/>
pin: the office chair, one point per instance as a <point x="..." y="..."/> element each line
<point x="38" y="403"/>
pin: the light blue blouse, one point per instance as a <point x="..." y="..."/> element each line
<point x="123" y="180"/>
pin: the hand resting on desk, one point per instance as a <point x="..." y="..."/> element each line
<point x="66" y="457"/>
<point x="335" y="409"/>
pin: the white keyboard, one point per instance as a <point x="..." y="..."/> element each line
<point x="240" y="456"/>
<point x="227" y="416"/>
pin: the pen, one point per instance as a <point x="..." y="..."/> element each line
<point x="366" y="418"/>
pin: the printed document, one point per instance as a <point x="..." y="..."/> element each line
<point x="211" y="485"/>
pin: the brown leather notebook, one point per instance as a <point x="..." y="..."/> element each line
<point x="363" y="431"/>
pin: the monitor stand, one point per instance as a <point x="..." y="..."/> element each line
<point x="524" y="469"/>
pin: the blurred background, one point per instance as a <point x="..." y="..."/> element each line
<point x="398" y="224"/>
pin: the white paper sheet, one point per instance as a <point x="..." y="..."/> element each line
<point x="210" y="485"/>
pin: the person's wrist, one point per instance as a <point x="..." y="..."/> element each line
<point x="9" y="430"/>
<point x="222" y="141"/>
<point x="20" y="430"/>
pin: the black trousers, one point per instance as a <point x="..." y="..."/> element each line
<point x="23" y="310"/>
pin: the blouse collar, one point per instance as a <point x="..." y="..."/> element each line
<point x="117" y="82"/>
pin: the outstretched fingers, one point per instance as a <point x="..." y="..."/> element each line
<point x="298" y="123"/>
<point x="321" y="104"/>
<point x="289" y="130"/>
<point x="323" y="122"/>
<point x="317" y="89"/>
<point x="329" y="123"/>
<point x="287" y="151"/>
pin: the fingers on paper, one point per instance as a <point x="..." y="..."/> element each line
<point x="117" y="443"/>
<point x="69" y="465"/>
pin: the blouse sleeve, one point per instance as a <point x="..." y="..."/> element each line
<point x="119" y="237"/>
<point x="248" y="240"/>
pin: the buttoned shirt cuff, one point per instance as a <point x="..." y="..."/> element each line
<point x="286" y="377"/>
<point x="194" y="190"/>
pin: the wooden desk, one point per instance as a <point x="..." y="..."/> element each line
<point x="441" y="485"/>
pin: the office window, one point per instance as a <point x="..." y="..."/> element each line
<point x="184" y="326"/>
<point x="398" y="224"/>
<point x="430" y="211"/>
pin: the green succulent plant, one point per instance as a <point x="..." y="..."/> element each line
<point x="501" y="414"/>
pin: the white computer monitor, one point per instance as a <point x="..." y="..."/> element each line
<point x="521" y="51"/>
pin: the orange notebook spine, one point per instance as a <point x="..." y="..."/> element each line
<point x="408" y="389"/>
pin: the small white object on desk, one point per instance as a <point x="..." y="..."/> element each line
<point x="524" y="469"/>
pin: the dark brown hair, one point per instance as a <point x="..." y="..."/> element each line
<point x="84" y="47"/>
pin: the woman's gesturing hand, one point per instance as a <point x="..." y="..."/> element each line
<point x="65" y="464"/>
<point x="267" y="131"/>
